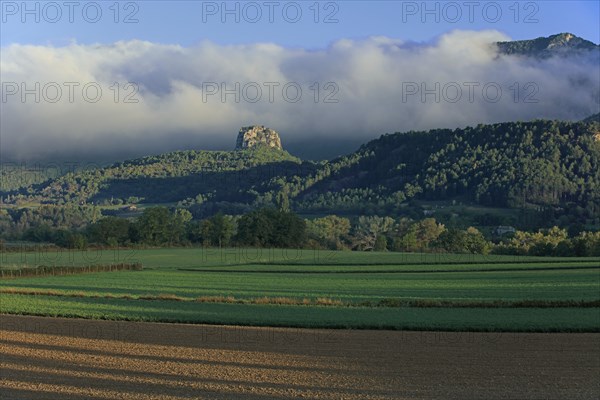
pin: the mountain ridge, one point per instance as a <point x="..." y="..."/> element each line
<point x="561" y="44"/>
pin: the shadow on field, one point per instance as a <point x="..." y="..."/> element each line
<point x="284" y="340"/>
<point x="141" y="357"/>
<point x="24" y="394"/>
<point x="81" y="358"/>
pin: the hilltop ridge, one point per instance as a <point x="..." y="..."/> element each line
<point x="562" y="44"/>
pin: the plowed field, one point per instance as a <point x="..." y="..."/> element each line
<point x="53" y="358"/>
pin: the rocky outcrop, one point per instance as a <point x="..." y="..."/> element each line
<point x="257" y="135"/>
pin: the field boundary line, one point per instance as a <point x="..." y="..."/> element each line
<point x="410" y="271"/>
<point x="319" y="301"/>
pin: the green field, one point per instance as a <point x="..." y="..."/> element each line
<point x="211" y="257"/>
<point x="338" y="289"/>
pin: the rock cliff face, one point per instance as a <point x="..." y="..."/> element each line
<point x="257" y="135"/>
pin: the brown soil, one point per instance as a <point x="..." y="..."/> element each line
<point x="54" y="358"/>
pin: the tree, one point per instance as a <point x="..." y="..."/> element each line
<point x="218" y="230"/>
<point x="177" y="223"/>
<point x="290" y="230"/>
<point x="368" y="229"/>
<point x="38" y="233"/>
<point x="112" y="231"/>
<point x="587" y="244"/>
<point x="475" y="242"/>
<point x="330" y="230"/>
<point x="540" y="243"/>
<point x="452" y="241"/>
<point x="270" y="227"/>
<point x="380" y="243"/>
<point x="157" y="226"/>
<point x="282" y="199"/>
<point x="427" y="231"/>
<point x="459" y="241"/>
<point x="78" y="241"/>
<point x="407" y="242"/>
<point x="255" y="229"/>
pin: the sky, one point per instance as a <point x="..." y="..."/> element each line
<point x="234" y="22"/>
<point x="109" y="80"/>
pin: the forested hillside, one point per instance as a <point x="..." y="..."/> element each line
<point x="163" y="178"/>
<point x="534" y="164"/>
<point x="549" y="167"/>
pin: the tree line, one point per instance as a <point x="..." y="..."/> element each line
<point x="271" y="227"/>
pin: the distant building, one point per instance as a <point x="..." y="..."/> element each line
<point x="503" y="230"/>
<point x="131" y="207"/>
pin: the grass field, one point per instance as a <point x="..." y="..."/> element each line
<point x="316" y="289"/>
<point x="211" y="257"/>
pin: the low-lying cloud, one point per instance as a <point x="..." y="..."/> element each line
<point x="132" y="98"/>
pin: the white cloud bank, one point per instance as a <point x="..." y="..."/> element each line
<point x="377" y="82"/>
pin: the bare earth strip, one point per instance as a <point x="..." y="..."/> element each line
<point x="54" y="358"/>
